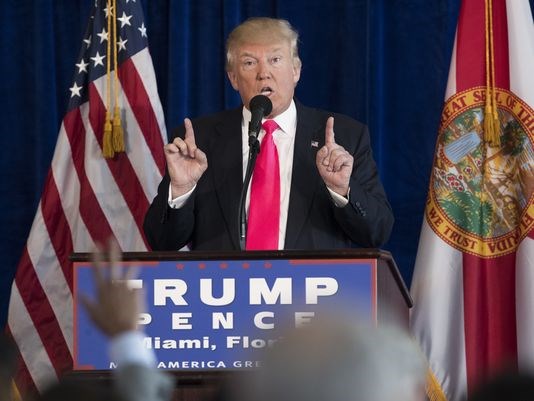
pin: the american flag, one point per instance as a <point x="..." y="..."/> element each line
<point x="87" y="198"/>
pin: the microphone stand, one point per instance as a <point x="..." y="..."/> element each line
<point x="254" y="149"/>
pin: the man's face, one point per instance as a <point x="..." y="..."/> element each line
<point x="267" y="70"/>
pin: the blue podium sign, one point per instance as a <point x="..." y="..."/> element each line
<point x="203" y="315"/>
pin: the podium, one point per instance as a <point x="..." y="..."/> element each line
<point x="209" y="309"/>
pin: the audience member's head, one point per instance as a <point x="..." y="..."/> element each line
<point x="506" y="387"/>
<point x="334" y="361"/>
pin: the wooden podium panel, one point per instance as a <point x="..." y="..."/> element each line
<point x="385" y="295"/>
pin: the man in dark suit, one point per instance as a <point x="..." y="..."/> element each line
<point x="329" y="191"/>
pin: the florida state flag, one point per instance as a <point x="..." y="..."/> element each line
<point x="474" y="277"/>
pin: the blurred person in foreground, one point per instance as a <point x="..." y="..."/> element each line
<point x="507" y="386"/>
<point x="315" y="184"/>
<point x="115" y="311"/>
<point x="331" y="360"/>
<point x="70" y="389"/>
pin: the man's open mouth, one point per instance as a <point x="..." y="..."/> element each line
<point x="266" y="91"/>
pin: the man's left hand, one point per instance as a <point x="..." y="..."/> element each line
<point x="334" y="162"/>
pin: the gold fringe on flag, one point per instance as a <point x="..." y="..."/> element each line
<point x="434" y="391"/>
<point x="118" y="134"/>
<point x="107" y="142"/>
<point x="492" y="125"/>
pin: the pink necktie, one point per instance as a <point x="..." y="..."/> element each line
<point x="264" y="209"/>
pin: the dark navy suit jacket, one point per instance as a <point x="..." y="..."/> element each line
<point x="209" y="219"/>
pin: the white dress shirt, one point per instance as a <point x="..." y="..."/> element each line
<point x="284" y="139"/>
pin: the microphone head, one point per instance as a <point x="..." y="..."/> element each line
<point x="261" y="102"/>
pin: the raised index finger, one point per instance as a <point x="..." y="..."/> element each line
<point x="189" y="133"/>
<point x="190" y="138"/>
<point x="329" y="137"/>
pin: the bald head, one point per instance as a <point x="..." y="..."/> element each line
<point x="334" y="361"/>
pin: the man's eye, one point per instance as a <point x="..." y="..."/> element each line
<point x="248" y="63"/>
<point x="276" y="60"/>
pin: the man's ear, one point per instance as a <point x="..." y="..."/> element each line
<point x="233" y="79"/>
<point x="296" y="73"/>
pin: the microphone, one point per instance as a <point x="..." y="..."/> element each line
<point x="259" y="106"/>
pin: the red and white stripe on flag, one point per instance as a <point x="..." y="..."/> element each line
<point x="87" y="198"/>
<point x="474" y="307"/>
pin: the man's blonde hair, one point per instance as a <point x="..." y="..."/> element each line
<point x="262" y="30"/>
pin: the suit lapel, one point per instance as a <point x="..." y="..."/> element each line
<point x="226" y="165"/>
<point x="303" y="187"/>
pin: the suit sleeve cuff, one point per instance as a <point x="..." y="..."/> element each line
<point x="178" y="202"/>
<point x="339" y="200"/>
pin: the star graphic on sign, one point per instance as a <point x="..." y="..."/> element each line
<point x="122" y="43"/>
<point x="125" y="19"/>
<point x="82" y="66"/>
<point x="75" y="90"/>
<point x="127" y="1"/>
<point x="98" y="59"/>
<point x="142" y="29"/>
<point x="103" y="35"/>
<point x="88" y="41"/>
<point x="108" y="9"/>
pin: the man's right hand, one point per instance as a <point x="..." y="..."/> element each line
<point x="185" y="162"/>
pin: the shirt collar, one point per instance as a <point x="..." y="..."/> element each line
<point x="287" y="121"/>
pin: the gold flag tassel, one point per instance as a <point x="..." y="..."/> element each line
<point x="434" y="392"/>
<point x="118" y="133"/>
<point x="492" y="125"/>
<point x="107" y="145"/>
<point x="107" y="142"/>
